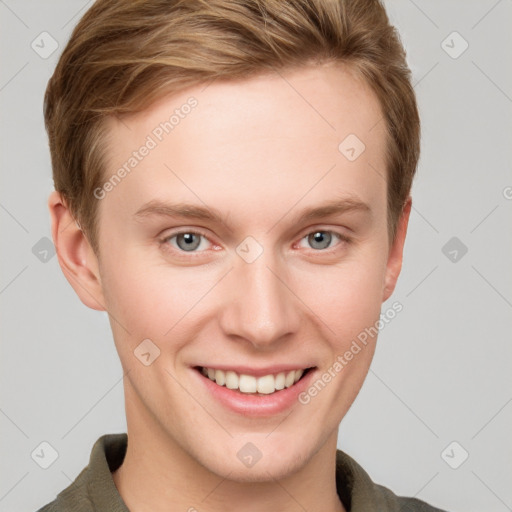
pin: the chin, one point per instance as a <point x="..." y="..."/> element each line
<point x="267" y="469"/>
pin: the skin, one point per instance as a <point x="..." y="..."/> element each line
<point x="259" y="152"/>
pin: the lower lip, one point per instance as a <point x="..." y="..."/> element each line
<point x="257" y="405"/>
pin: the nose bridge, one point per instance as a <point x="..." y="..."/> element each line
<point x="261" y="307"/>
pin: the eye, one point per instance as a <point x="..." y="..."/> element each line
<point x="321" y="239"/>
<point x="187" y="241"/>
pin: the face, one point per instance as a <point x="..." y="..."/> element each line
<point x="245" y="240"/>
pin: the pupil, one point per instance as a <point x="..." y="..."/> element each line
<point x="188" y="241"/>
<point x="322" y="238"/>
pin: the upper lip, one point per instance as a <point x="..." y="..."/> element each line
<point x="257" y="372"/>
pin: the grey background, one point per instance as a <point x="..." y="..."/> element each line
<point x="441" y="372"/>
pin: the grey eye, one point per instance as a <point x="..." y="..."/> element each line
<point x="188" y="241"/>
<point x="320" y="239"/>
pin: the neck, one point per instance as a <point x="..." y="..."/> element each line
<point x="157" y="474"/>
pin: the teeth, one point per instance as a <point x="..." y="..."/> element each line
<point x="249" y="384"/>
<point x="266" y="384"/>
<point x="231" y="380"/>
<point x="290" y="377"/>
<point x="280" y="380"/>
<point x="220" y="377"/>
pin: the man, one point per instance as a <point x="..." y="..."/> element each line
<point x="232" y="186"/>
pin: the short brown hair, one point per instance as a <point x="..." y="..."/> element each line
<point x="124" y="55"/>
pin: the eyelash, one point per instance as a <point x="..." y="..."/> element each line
<point x="343" y="239"/>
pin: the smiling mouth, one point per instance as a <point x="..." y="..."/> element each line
<point x="251" y="385"/>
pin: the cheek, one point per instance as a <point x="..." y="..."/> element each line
<point x="150" y="301"/>
<point x="158" y="301"/>
<point x="347" y="297"/>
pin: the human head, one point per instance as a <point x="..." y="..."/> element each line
<point x="124" y="56"/>
<point x="249" y="148"/>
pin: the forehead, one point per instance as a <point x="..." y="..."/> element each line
<point x="274" y="136"/>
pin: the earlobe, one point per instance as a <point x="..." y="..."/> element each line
<point x="394" y="264"/>
<point x="76" y="257"/>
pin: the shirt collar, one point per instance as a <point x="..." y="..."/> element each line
<point x="355" y="488"/>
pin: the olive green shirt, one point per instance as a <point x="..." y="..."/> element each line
<point x="94" y="489"/>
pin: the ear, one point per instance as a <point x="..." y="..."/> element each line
<point x="76" y="257"/>
<point x="394" y="264"/>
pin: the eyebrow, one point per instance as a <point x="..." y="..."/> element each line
<point x="192" y="211"/>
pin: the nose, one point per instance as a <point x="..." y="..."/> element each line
<point x="260" y="305"/>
